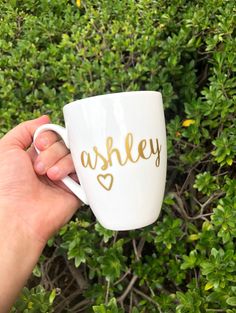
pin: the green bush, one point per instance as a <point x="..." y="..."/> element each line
<point x="53" y="52"/>
<point x="34" y="301"/>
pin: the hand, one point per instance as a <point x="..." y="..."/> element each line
<point x="41" y="205"/>
<point x="32" y="207"/>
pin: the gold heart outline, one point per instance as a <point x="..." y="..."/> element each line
<point x="104" y="177"/>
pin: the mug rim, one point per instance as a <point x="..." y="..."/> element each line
<point x="109" y="95"/>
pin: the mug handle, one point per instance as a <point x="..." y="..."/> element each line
<point x="68" y="181"/>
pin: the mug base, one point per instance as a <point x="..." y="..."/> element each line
<point x="127" y="227"/>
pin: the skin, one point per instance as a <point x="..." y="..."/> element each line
<point x="32" y="206"/>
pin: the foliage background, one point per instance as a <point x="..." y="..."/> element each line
<point x="52" y="52"/>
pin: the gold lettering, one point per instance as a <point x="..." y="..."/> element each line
<point x="88" y="162"/>
<point x="157" y="151"/>
<point x="104" y="160"/>
<point x="141" y="146"/>
<point x="111" y="150"/>
<point x="158" y="159"/>
<point x="128" y="147"/>
<point x="143" y="152"/>
<point x="152" y="147"/>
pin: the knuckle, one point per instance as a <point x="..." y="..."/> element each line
<point x="52" y="136"/>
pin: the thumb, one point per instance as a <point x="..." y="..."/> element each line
<point x="22" y="135"/>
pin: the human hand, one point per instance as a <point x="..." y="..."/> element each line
<point x="32" y="207"/>
<point x="40" y="205"/>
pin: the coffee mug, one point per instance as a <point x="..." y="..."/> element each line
<point x="118" y="147"/>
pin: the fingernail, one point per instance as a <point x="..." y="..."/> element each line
<point x="40" y="167"/>
<point x="55" y="171"/>
<point x="43" y="141"/>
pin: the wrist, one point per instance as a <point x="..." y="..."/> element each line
<point x="19" y="235"/>
<point x="27" y="225"/>
<point x="19" y="253"/>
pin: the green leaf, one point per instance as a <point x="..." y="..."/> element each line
<point x="37" y="271"/>
<point x="205" y="183"/>
<point x="111" y="307"/>
<point x="52" y="296"/>
<point x="231" y="301"/>
<point x="105" y="233"/>
<point x="208" y="286"/>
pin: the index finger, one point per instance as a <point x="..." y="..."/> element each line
<point x="21" y="136"/>
<point x="46" y="139"/>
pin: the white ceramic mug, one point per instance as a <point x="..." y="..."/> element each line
<point x="118" y="146"/>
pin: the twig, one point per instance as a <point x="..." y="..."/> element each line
<point x="128" y="289"/>
<point x="135" y="250"/>
<point x="76" y="273"/>
<point x="80" y="306"/>
<point x="148" y="298"/>
<point x="179" y="207"/>
<point x="45" y="268"/>
<point x="45" y="279"/>
<point x="186" y="180"/>
<point x="131" y="302"/>
<point x="190" y="172"/>
<point x="140" y="246"/>
<point x="123" y="277"/>
<point x="181" y="211"/>
<point x="213" y="197"/>
<point x="83" y="309"/>
<point x="58" y="277"/>
<point x="68" y="286"/>
<point x="60" y="306"/>
<point x="115" y="237"/>
<point x="187" y="143"/>
<point x="209" y="200"/>
<point x="138" y="250"/>
<point x="135" y="298"/>
<point x="200" y="216"/>
<point x="196" y="277"/>
<point x="222" y="174"/>
<point x="107" y="291"/>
